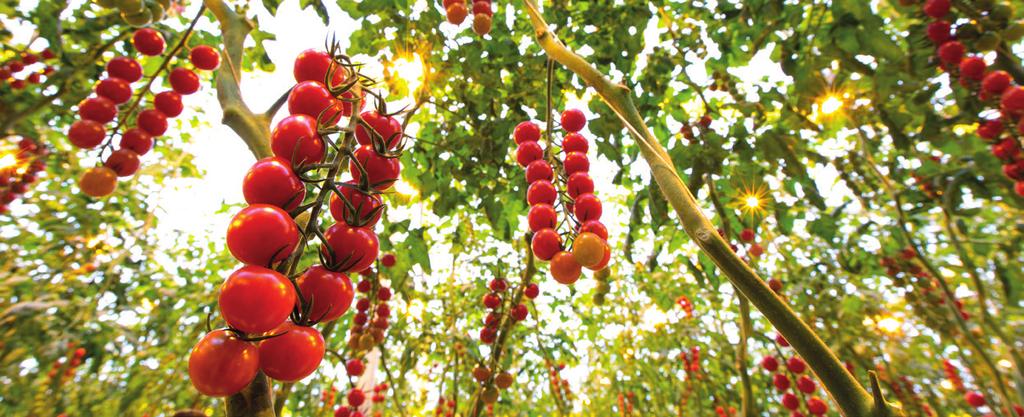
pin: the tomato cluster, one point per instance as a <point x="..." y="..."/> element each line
<point x="68" y="364"/>
<point x="907" y="271"/>
<point x="445" y="407"/>
<point x="19" y="168"/>
<point x="994" y="88"/>
<point x="805" y="384"/>
<point x="590" y="248"/>
<point x="368" y="327"/>
<point x="457" y="10"/>
<point x="138" y="12"/>
<point x="116" y="89"/>
<point x="31" y="66"/>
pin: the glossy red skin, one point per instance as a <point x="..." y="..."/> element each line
<point x="152" y="121"/>
<point x="221" y="365"/>
<point x="148" y="42"/>
<point x="951" y="52"/>
<point x="806" y="385"/>
<point x="526" y="132"/>
<point x="542" y="216"/>
<point x="579" y="183"/>
<point x="261" y="234"/>
<point x="312" y="98"/>
<point x="1012" y="103"/>
<point x="312" y="65"/>
<point x="541" y="192"/>
<point x="996" y="82"/>
<point x="137" y="140"/>
<point x="364" y="204"/>
<point x="169" y="103"/>
<point x="564" y="268"/>
<point x="272" y="181"/>
<point x="816" y="406"/>
<point x="769" y="363"/>
<point x="528" y="152"/>
<point x="576" y="162"/>
<point x="972" y="68"/>
<point x="99" y="109"/>
<point x="573" y="120"/>
<point x="575" y="142"/>
<point x="587" y="207"/>
<point x="355" y="248"/>
<point x="790" y="401"/>
<point x="204" y="57"/>
<point x="539" y="170"/>
<point x="114" y="89"/>
<point x="330" y="293"/>
<point x="595" y="227"/>
<point x="381" y="172"/>
<point x="255" y="299"/>
<point x="293" y="355"/>
<point x="388" y="260"/>
<point x="183" y="81"/>
<point x="86" y="134"/>
<point x="124" y="68"/>
<point x="482" y="7"/>
<point x="796" y="365"/>
<point x="354" y="367"/>
<point x="295" y="138"/>
<point x="387" y="127"/>
<point x="545" y="244"/>
<point x="124" y="162"/>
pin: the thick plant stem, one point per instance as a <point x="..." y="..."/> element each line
<point x="256" y="400"/>
<point x="848" y="394"/>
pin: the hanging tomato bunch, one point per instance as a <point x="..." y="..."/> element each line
<point x="30" y="66"/>
<point x="116" y="89"/>
<point x="805" y="384"/>
<point x="456" y="12"/>
<point x="19" y="168"/>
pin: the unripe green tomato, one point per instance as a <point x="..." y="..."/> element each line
<point x="1014" y="32"/>
<point x="987" y="41"/>
<point x="138" y="19"/>
<point x="967" y="32"/>
<point x="602" y="287"/>
<point x="165" y="3"/>
<point x="1001" y="12"/>
<point x="129" y="6"/>
<point x="156" y="10"/>
<point x="106" y="4"/>
<point x="599" y="299"/>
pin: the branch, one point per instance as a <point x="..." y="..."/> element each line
<point x="844" y="389"/>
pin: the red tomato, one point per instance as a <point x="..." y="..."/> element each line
<point x="528" y="152"/>
<point x="366" y="205"/>
<point x="573" y="120"/>
<point x="204" y="57"/>
<point x="578" y="184"/>
<point x="542" y="216"/>
<point x="312" y="65"/>
<point x="221" y="364"/>
<point x="312" y="98"/>
<point x="124" y="68"/>
<point x="293" y="355"/>
<point x="169" y="103"/>
<point x="564" y="268"/>
<point x="137" y="140"/>
<point x="389" y="129"/>
<point x="99" y="109"/>
<point x="330" y="293"/>
<point x="124" y="162"/>
<point x="575" y="142"/>
<point x="183" y="81"/>
<point x="526" y="132"/>
<point x="539" y="170"/>
<point x="271" y="181"/>
<point x="545" y="244"/>
<point x="262" y="234"/>
<point x="587" y="207"/>
<point x="381" y="172"/>
<point x="255" y="299"/>
<point x="355" y="248"/>
<point x="576" y="162"/>
<point x="388" y="260"/>
<point x="86" y="134"/>
<point x="96" y="182"/>
<point x="295" y="138"/>
<point x="148" y="42"/>
<point x="114" y="89"/>
<point x="152" y="121"/>
<point x="541" y="192"/>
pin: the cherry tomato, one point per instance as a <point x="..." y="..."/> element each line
<point x="293" y="355"/>
<point x="148" y="42"/>
<point x="114" y="89"/>
<point x="295" y="138"/>
<point x="312" y="65"/>
<point x="183" y="81"/>
<point x="381" y="172"/>
<point x="262" y="234"/>
<point x="576" y="162"/>
<point x="86" y="134"/>
<point x="573" y="120"/>
<point x="541" y="192"/>
<point x="564" y="268"/>
<point x="587" y="207"/>
<point x="526" y="132"/>
<point x="124" y="68"/>
<point x="604" y="260"/>
<point x="137" y="140"/>
<point x="579" y="183"/>
<point x="389" y="129"/>
<point x="99" y="109"/>
<point x="355" y="248"/>
<point x="528" y="152"/>
<point x="388" y="260"/>
<point x="542" y="216"/>
<point x="221" y="364"/>
<point x="98" y="181"/>
<point x="330" y="293"/>
<point x="545" y="244"/>
<point x="312" y="98"/>
<point x="124" y="162"/>
<point x="366" y="205"/>
<point x="271" y="181"/>
<point x="152" y="121"/>
<point x="588" y="249"/>
<point x="575" y="142"/>
<point x="255" y="299"/>
<point x="595" y="227"/>
<point x="169" y="103"/>
<point x="204" y="57"/>
<point x="539" y="170"/>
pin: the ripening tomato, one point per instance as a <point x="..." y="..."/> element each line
<point x="388" y="127"/>
<point x="564" y="268"/>
<point x="329" y="293"/>
<point x="381" y="171"/>
<point x="457" y="13"/>
<point x="578" y="184"/>
<point x="539" y="170"/>
<point x="124" y="162"/>
<point x="295" y="138"/>
<point x="114" y="89"/>
<point x="262" y="234"/>
<point x="589" y="249"/>
<point x="312" y="98"/>
<point x="351" y="249"/>
<point x="541" y="192"/>
<point x="86" y="134"/>
<point x="528" y="152"/>
<point x="576" y="162"/>
<point x="526" y="132"/>
<point x="98" y="181"/>
<point x="204" y="57"/>
<point x="365" y="205"/>
<point x="312" y="65"/>
<point x="255" y="299"/>
<point x="575" y="142"/>
<point x="98" y="109"/>
<point x="148" y="42"/>
<point x="272" y="181"/>
<point x="221" y="364"/>
<point x="169" y="103"/>
<point x="573" y="120"/>
<point x="137" y="140"/>
<point x="293" y="355"/>
<point x="152" y="121"/>
<point x="587" y="207"/>
<point x="183" y="81"/>
<point x="124" y="68"/>
<point x="545" y="244"/>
